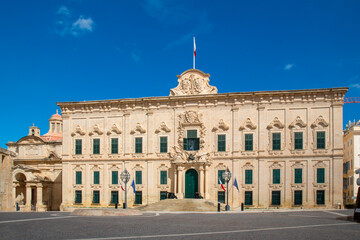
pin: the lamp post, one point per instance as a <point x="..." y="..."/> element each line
<point x="125" y="177"/>
<point x="227" y="176"/>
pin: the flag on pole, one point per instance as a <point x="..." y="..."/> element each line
<point x="133" y="186"/>
<point x="122" y="187"/>
<point x="194" y="48"/>
<point x="236" y="185"/>
<point x="222" y="186"/>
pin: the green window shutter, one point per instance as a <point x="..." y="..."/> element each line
<point x="320" y="140"/>
<point x="96" y="177"/>
<point x="96" y="146"/>
<point x="276" y="140"/>
<point x="191" y="133"/>
<point x="220" y="176"/>
<point x="114" y="177"/>
<point x="78" y="146"/>
<point x="298" y="197"/>
<point x="163" y="195"/>
<point x="185" y="144"/>
<point x="276" y="176"/>
<point x="138" y="145"/>
<point x="248" y="198"/>
<point x="197" y="144"/>
<point x="138" y="177"/>
<point x="78" y="196"/>
<point x="320" y="197"/>
<point x="114" y="146"/>
<point x="221" y="196"/>
<point x="248" y="142"/>
<point x="298" y="175"/>
<point x="298" y="140"/>
<point x="96" y="196"/>
<point x="221" y="143"/>
<point x="321" y="175"/>
<point x="114" y="197"/>
<point x="78" y="177"/>
<point x="138" y="197"/>
<point x="163" y="144"/>
<point x="163" y="177"/>
<point x="248" y="176"/>
<point x="275" y="197"/>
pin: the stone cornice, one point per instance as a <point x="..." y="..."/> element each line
<point x="329" y="95"/>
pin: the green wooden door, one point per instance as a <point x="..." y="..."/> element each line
<point x="191" y="183"/>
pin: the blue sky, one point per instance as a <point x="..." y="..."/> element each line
<point x="75" y="50"/>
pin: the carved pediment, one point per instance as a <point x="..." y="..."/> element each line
<point x="96" y="129"/>
<point x="221" y="126"/>
<point x="248" y="165"/>
<point x="193" y="82"/>
<point x="298" y="165"/>
<point x="190" y="117"/>
<point x="138" y="129"/>
<point x="114" y="129"/>
<point x="297" y="122"/>
<point x="320" y="121"/>
<point x="275" y="123"/>
<point x="30" y="140"/>
<point x="248" y="124"/>
<point x="163" y="128"/>
<point x="25" y="168"/>
<point x="276" y="165"/>
<point x="78" y="130"/>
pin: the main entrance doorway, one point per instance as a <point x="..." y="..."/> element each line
<point x="191" y="183"/>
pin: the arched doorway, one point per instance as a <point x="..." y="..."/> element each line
<point x="191" y="183"/>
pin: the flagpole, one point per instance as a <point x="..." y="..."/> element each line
<point x="194" y="54"/>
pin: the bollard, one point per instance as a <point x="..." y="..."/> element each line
<point x="17" y="207"/>
<point x="116" y="205"/>
<point x="218" y="207"/>
<point x="242" y="207"/>
<point x="124" y="206"/>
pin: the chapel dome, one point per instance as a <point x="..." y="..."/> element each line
<point x="56" y="116"/>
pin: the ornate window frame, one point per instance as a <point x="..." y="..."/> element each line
<point x="276" y="126"/>
<point x="78" y="168"/>
<point x="162" y="131"/>
<point x="78" y="134"/>
<point x="191" y="120"/>
<point x="321" y="186"/>
<point x="320" y="125"/>
<point x="93" y="169"/>
<point x="138" y="132"/>
<point x="248" y="127"/>
<point x="298" y="125"/>
<point x="276" y="165"/>
<point x="248" y="187"/>
<point x="163" y="187"/>
<point x="221" y="129"/>
<point x="114" y="187"/>
<point x="114" y="132"/>
<point x="139" y="167"/>
<point x="96" y="133"/>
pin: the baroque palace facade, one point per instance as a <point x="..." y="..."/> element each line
<point x="283" y="147"/>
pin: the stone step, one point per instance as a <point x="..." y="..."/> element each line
<point x="183" y="205"/>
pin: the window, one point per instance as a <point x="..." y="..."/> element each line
<point x="114" y="146"/>
<point x="163" y="195"/>
<point x="276" y="176"/>
<point x="114" y="177"/>
<point x="276" y="141"/>
<point x="320" y="140"/>
<point x="221" y="143"/>
<point x="114" y="197"/>
<point x="78" y="177"/>
<point x="275" y="198"/>
<point x="138" y="145"/>
<point x="96" y="196"/>
<point x="221" y="196"/>
<point x="96" y="177"/>
<point x="320" y="175"/>
<point x="138" y="197"/>
<point x="320" y="197"/>
<point x="192" y="142"/>
<point x="163" y="177"/>
<point x="58" y="127"/>
<point x="298" y="175"/>
<point x="220" y="176"/>
<point x="78" y="196"/>
<point x="138" y="177"/>
<point x="78" y="146"/>
<point x="298" y="197"/>
<point x="96" y="146"/>
<point x="52" y="127"/>
<point x="163" y="144"/>
<point x="298" y="140"/>
<point x="248" y="176"/>
<point x="248" y="198"/>
<point x="248" y="142"/>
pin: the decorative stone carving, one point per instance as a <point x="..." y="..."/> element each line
<point x="114" y="129"/>
<point x="139" y="129"/>
<point x="275" y="123"/>
<point x="320" y="121"/>
<point x="96" y="129"/>
<point x="179" y="156"/>
<point x="191" y="118"/>
<point x="297" y="122"/>
<point x="163" y="128"/>
<point x="193" y="82"/>
<point x="78" y="130"/>
<point x="221" y="126"/>
<point x="247" y="124"/>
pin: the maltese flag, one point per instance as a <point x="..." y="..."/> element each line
<point x="194" y="48"/>
<point x="222" y="186"/>
<point x="121" y="186"/>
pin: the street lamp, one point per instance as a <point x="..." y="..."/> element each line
<point x="125" y="177"/>
<point x="227" y="176"/>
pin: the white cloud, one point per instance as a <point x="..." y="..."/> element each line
<point x="135" y="55"/>
<point x="63" y="10"/>
<point x="355" y="85"/>
<point x="289" y="66"/>
<point x="82" y="25"/>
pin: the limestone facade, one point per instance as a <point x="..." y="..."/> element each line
<point x="36" y="172"/>
<point x="283" y="147"/>
<point x="6" y="162"/>
<point x="351" y="161"/>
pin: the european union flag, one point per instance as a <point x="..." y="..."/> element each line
<point x="236" y="185"/>
<point x="133" y="186"/>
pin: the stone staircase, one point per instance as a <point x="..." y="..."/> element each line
<point x="182" y="205"/>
